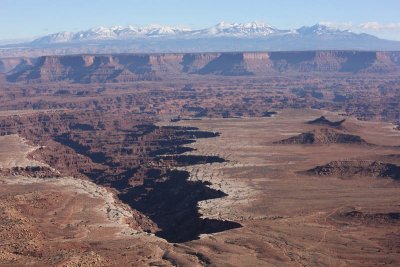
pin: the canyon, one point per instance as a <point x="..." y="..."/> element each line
<point x="200" y="159"/>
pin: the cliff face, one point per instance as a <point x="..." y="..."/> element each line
<point x="15" y="64"/>
<point x="86" y="69"/>
<point x="134" y="67"/>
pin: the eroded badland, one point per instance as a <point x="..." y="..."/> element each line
<point x="217" y="160"/>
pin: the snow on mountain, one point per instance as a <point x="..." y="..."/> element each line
<point x="252" y="29"/>
<point x="223" y="29"/>
<point x="247" y="36"/>
<point x="159" y="30"/>
<point x="112" y="33"/>
<point x="320" y="29"/>
<point x="60" y="37"/>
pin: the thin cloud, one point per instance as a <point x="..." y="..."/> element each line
<point x="376" y="26"/>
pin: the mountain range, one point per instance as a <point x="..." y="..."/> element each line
<point x="239" y="30"/>
<point x="222" y="37"/>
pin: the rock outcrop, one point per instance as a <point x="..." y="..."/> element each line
<point x="323" y="136"/>
<point x="352" y="168"/>
<point x="30" y="171"/>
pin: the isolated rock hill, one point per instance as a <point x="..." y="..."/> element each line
<point x="325" y="122"/>
<point x="348" y="169"/>
<point x="323" y="136"/>
<point x="370" y="218"/>
<point x="134" y="67"/>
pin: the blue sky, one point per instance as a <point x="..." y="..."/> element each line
<point x="29" y="18"/>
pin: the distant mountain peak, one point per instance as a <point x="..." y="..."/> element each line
<point x="319" y="29"/>
<point x="59" y="37"/>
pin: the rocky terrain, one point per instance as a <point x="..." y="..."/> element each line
<point x="199" y="159"/>
<point x="160" y="83"/>
<point x="290" y="218"/>
<point x="151" y="177"/>
<point x="348" y="169"/>
<point x="30" y="171"/>
<point x="151" y="67"/>
<point x="133" y="156"/>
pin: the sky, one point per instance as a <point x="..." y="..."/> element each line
<point x="33" y="18"/>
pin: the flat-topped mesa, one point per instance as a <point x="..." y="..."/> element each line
<point x="323" y="136"/>
<point x="325" y="122"/>
<point x="133" y="67"/>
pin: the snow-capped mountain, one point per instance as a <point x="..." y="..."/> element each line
<point x="253" y="36"/>
<point x="60" y="37"/>
<point x="112" y="33"/>
<point x="320" y="29"/>
<point x="252" y="29"/>
<point x="223" y="29"/>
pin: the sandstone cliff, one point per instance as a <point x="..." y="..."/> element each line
<point x="134" y="67"/>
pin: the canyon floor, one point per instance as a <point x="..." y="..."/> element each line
<point x="289" y="216"/>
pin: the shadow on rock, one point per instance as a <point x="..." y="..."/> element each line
<point x="170" y="200"/>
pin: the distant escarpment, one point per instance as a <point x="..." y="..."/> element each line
<point x="142" y="67"/>
<point x="352" y="168"/>
<point x="323" y="136"/>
